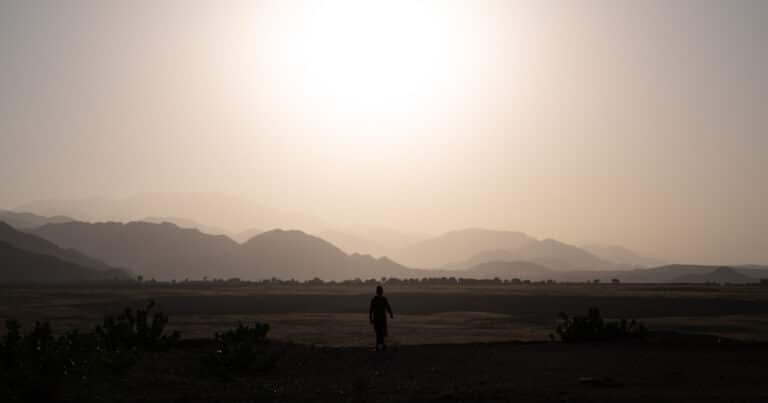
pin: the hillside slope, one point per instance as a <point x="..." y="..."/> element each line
<point x="458" y="246"/>
<point x="18" y="266"/>
<point x="35" y="244"/>
<point x="162" y="251"/>
<point x="165" y="251"/>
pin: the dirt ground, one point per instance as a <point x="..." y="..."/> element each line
<point x="337" y="316"/>
<point x="472" y="344"/>
<point x="501" y="372"/>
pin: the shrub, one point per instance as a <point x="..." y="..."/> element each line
<point x="241" y="348"/>
<point x="592" y="327"/>
<point x="142" y="330"/>
<point x="36" y="366"/>
<point x="30" y="365"/>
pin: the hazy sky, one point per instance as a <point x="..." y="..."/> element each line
<point x="641" y="123"/>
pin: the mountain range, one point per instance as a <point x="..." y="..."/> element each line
<point x="186" y="223"/>
<point x="28" y="258"/>
<point x="165" y="251"/>
<point x="457" y="246"/>
<point x="721" y="275"/>
<point x="460" y="250"/>
<point x="621" y="256"/>
<point x="219" y="213"/>
<point x="234" y="213"/>
<point x="374" y="241"/>
<point x="24" y="220"/>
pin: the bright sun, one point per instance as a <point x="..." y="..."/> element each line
<point x="360" y="64"/>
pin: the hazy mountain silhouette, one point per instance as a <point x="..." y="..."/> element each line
<point x="21" y="266"/>
<point x="244" y="236"/>
<point x="720" y="275"/>
<point x="186" y="223"/>
<point x="34" y="244"/>
<point x="165" y="251"/>
<point x="294" y="254"/>
<point x="374" y="241"/>
<point x="499" y="255"/>
<point x="471" y="247"/>
<point x="162" y="251"/>
<point x="754" y="271"/>
<point x="221" y="210"/>
<point x="559" y="255"/>
<point x="458" y="246"/>
<point x="621" y="255"/>
<point x="352" y="243"/>
<point x="22" y="220"/>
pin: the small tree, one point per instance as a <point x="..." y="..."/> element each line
<point x="592" y="327"/>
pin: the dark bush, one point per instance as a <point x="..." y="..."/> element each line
<point x="592" y="327"/>
<point x="36" y="366"/>
<point x="241" y="348"/>
<point x="30" y="365"/>
<point x="142" y="330"/>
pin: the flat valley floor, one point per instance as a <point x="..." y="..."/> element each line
<point x="476" y="372"/>
<point x="337" y="315"/>
<point x="476" y="344"/>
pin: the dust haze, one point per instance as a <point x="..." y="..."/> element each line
<point x="383" y="201"/>
<point x="636" y="125"/>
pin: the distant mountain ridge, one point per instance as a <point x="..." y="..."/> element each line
<point x="186" y="223"/>
<point x="374" y="241"/>
<point x="620" y="255"/>
<point x="457" y="246"/>
<point x="24" y="220"/>
<point x="721" y="275"/>
<point x="458" y="250"/>
<point x="244" y="236"/>
<point x="27" y="258"/>
<point x="233" y="212"/>
<point x="34" y="244"/>
<point x="558" y="255"/>
<point x="162" y="251"/>
<point x="21" y="267"/>
<point x="165" y="251"/>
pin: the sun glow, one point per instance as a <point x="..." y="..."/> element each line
<point x="370" y="65"/>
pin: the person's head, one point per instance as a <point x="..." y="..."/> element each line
<point x="379" y="290"/>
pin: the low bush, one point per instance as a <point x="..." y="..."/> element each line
<point x="592" y="327"/>
<point x="140" y="330"/>
<point x="38" y="365"/>
<point x="241" y="348"/>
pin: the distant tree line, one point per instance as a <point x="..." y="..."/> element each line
<point x="393" y="281"/>
<point x="274" y="281"/>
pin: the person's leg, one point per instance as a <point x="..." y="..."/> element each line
<point x="379" y="338"/>
<point x="382" y="336"/>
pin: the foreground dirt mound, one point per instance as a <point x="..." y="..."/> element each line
<point x="533" y="372"/>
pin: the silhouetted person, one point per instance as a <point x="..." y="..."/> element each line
<point x="378" y="316"/>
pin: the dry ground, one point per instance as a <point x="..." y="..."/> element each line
<point x="325" y="336"/>
<point x="502" y="372"/>
<point x="336" y="315"/>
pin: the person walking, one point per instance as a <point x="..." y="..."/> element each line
<point x="377" y="314"/>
